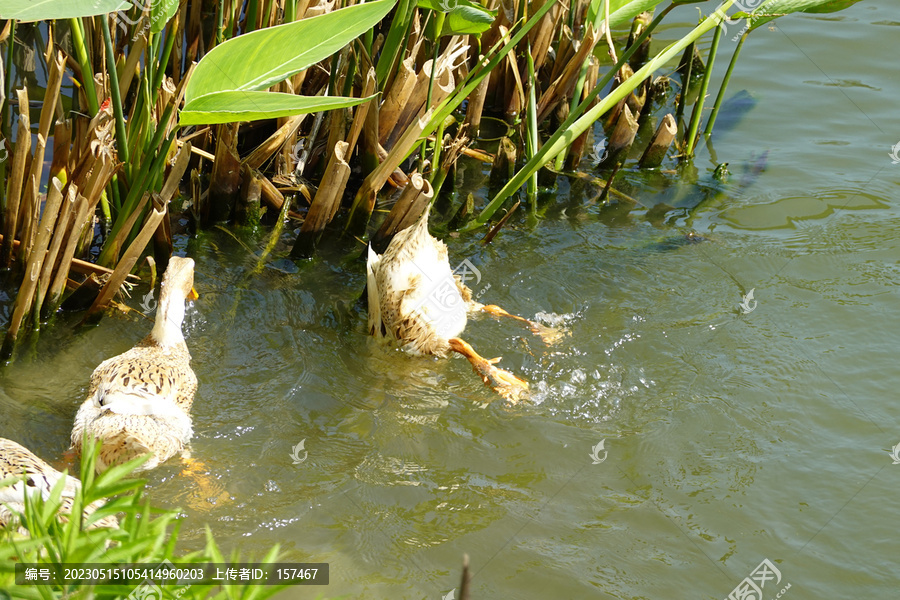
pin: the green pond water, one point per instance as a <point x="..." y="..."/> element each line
<point x="729" y="438"/>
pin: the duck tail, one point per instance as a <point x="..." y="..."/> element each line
<point x="375" y="323"/>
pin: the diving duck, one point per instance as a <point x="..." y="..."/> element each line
<point x="140" y="401"/>
<point x="37" y="478"/>
<point x="417" y="302"/>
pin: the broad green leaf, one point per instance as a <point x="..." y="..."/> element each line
<point x="232" y="106"/>
<point x="772" y="9"/>
<point x="467" y="19"/>
<point x="257" y="60"/>
<point x="44" y="10"/>
<point x="160" y="13"/>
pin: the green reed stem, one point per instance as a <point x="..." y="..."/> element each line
<point x="139" y="182"/>
<point x="87" y="72"/>
<point x="163" y="63"/>
<point x="438" y="26"/>
<point x="685" y="83"/>
<point x="436" y="159"/>
<point x="497" y="53"/>
<point x="220" y="19"/>
<point x="697" y="115"/>
<point x="721" y="95"/>
<point x="121" y="135"/>
<point x="393" y="45"/>
<point x="531" y="130"/>
<point x="290" y="10"/>
<point x="579" y="83"/>
<point x="250" y="23"/>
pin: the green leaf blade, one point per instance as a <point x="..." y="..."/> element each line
<point x="160" y="13"/>
<point x="467" y="19"/>
<point x="259" y="59"/>
<point x="772" y="9"/>
<point x="44" y="10"/>
<point x="232" y="106"/>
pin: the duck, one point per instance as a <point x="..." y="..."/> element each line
<point x="139" y="402"/>
<point x="36" y="477"/>
<point x="417" y="303"/>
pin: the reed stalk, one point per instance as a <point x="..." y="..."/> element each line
<point x="660" y="143"/>
<point x="129" y="259"/>
<point x="697" y="115"/>
<point x="686" y="67"/>
<point x="326" y="202"/>
<point x="721" y="96"/>
<point x="413" y="201"/>
<point x="531" y="130"/>
<point x="25" y="296"/>
<point x="15" y="181"/>
<point x="576" y="125"/>
<point x="121" y="134"/>
<point x="59" y="235"/>
<point x="87" y="72"/>
<point x="79" y="221"/>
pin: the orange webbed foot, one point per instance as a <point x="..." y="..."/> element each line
<point x="549" y="335"/>
<point x="209" y="491"/>
<point x="503" y="382"/>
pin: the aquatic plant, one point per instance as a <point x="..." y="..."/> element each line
<point x="145" y="535"/>
<point x="218" y="109"/>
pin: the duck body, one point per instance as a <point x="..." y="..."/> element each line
<point x="37" y="479"/>
<point x="140" y="401"/>
<point x="415" y="300"/>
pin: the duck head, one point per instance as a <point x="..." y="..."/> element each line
<point x="177" y="287"/>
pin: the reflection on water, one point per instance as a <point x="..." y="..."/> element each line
<point x="730" y="437"/>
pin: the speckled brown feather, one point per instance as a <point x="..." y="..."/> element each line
<point x="415" y="271"/>
<point x="148" y="370"/>
<point x="39" y="478"/>
<point x="417" y="301"/>
<point x="140" y="400"/>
